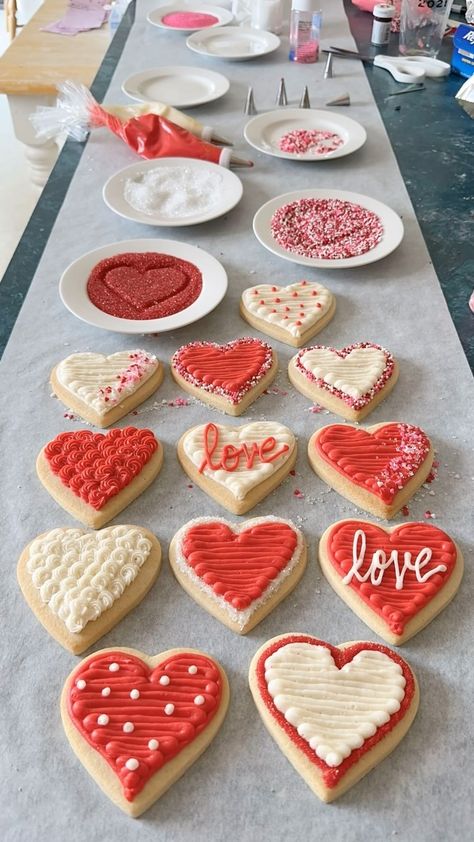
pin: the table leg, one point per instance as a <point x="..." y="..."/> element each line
<point x="10" y="17"/>
<point x="40" y="154"/>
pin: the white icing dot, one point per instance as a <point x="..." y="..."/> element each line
<point x="80" y="684"/>
<point x="165" y="680"/>
<point x="132" y="764"/>
<point x="199" y="700"/>
<point x="106" y="691"/>
<point x="134" y="694"/>
<point x="128" y="727"/>
<point x="192" y="669"/>
<point x="114" y="667"/>
<point x="102" y="719"/>
<point x="153" y="745"/>
<point x="169" y="709"/>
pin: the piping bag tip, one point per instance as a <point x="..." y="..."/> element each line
<point x="217" y="138"/>
<point x="240" y="162"/>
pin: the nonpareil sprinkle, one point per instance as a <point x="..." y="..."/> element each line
<point x="301" y="141"/>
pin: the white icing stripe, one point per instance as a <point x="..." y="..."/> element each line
<point x="80" y="574"/>
<point x="333" y="709"/>
<point x="355" y="375"/>
<point x="283" y="309"/>
<point x="102" y="382"/>
<point x="243" y="479"/>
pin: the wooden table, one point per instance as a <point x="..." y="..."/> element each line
<point x="32" y="66"/>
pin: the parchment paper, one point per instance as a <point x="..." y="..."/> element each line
<point x="243" y="788"/>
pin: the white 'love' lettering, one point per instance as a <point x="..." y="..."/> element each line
<point x="380" y="563"/>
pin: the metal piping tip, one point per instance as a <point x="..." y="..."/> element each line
<point x="305" y="103"/>
<point x="344" y="99"/>
<point x="217" y="138"/>
<point x="328" y="67"/>
<point x="240" y="162"/>
<point x="282" y="98"/>
<point x="250" y="103"/>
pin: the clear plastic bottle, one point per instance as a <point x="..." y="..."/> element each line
<point x="305" y="27"/>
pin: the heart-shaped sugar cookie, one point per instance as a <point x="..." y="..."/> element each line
<point x="137" y="723"/>
<point x="395" y="579"/>
<point x="335" y="711"/>
<point x="292" y="314"/>
<point x="80" y="584"/>
<point x="238" y="466"/>
<point x="238" y="572"/>
<point x="102" y="389"/>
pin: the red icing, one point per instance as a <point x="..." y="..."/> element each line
<point x="332" y="775"/>
<point x="232" y="456"/>
<point x="239" y="566"/>
<point x="394" y="606"/>
<point x="97" y="466"/>
<point x="173" y="732"/>
<point x="144" y="285"/>
<point x="382" y="462"/>
<point x="230" y="370"/>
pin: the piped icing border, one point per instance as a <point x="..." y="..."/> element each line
<point x="295" y="308"/>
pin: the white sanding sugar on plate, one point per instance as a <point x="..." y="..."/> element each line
<point x="173" y="191"/>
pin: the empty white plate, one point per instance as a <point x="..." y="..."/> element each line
<point x="239" y="43"/>
<point x="265" y="132"/>
<point x="177" y="85"/>
<point x="223" y="16"/>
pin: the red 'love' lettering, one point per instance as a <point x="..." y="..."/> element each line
<point x="231" y="456"/>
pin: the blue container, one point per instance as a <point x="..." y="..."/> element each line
<point x="462" y="60"/>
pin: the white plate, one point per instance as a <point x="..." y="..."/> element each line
<point x="392" y="224"/>
<point x="229" y="195"/>
<point x="239" y="43"/>
<point x="73" y="287"/>
<point x="156" y="17"/>
<point x="177" y="85"/>
<point x="265" y="131"/>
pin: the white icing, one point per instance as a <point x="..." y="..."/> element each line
<point x="333" y="709"/>
<point x="192" y="669"/>
<point x="94" y="377"/>
<point x="134" y="694"/>
<point x="128" y="727"/>
<point x="239" y="617"/>
<point x="243" y="479"/>
<point x="355" y="375"/>
<point x="169" y="709"/>
<point x="380" y="563"/>
<point x="165" y="679"/>
<point x="132" y="763"/>
<point x="199" y="700"/>
<point x="106" y="691"/>
<point x="312" y="313"/>
<point x="103" y="719"/>
<point x="80" y="574"/>
<point x="153" y="745"/>
<point x="80" y="684"/>
<point x="114" y="667"/>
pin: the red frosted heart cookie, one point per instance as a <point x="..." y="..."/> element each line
<point x="396" y="579"/>
<point x="94" y="475"/>
<point x="229" y="377"/>
<point x="379" y="468"/>
<point x="238" y="572"/>
<point x="335" y="711"/>
<point x="137" y="723"/>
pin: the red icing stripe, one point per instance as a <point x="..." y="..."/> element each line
<point x="332" y="775"/>
<point x="98" y="466"/>
<point x="239" y="566"/>
<point x="121" y="712"/>
<point x="382" y="462"/>
<point x="394" y="606"/>
<point x="229" y="370"/>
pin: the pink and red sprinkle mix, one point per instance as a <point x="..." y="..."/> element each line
<point x="405" y="511"/>
<point x="327" y="229"/>
<point x="189" y="20"/>
<point x="298" y="493"/>
<point x="132" y="374"/>
<point x="300" y="141"/>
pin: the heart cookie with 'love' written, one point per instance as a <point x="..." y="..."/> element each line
<point x="350" y="382"/>
<point x="229" y="377"/>
<point x="137" y="723"/>
<point x="379" y="468"/>
<point x="238" y="466"/>
<point x="102" y="389"/>
<point x="96" y="475"/>
<point x="395" y="579"/>
<point x="292" y="314"/>
<point x="80" y="584"/>
<point x="335" y="711"/>
<point x="238" y="572"/>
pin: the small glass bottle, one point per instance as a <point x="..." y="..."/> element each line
<point x="383" y="16"/>
<point x="305" y="27"/>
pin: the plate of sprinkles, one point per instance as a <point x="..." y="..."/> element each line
<point x="301" y="134"/>
<point x="143" y="286"/>
<point x="189" y="17"/>
<point x="328" y="229"/>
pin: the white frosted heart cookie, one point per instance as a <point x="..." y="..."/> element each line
<point x="335" y="711"/>
<point x="238" y="466"/>
<point x="80" y="584"/>
<point x="351" y="381"/>
<point x="238" y="572"/>
<point x="102" y="389"/>
<point x="292" y="314"/>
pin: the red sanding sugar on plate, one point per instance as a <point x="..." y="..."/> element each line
<point x="328" y="229"/>
<point x="318" y="142"/>
<point x="189" y="20"/>
<point x="144" y="285"/>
